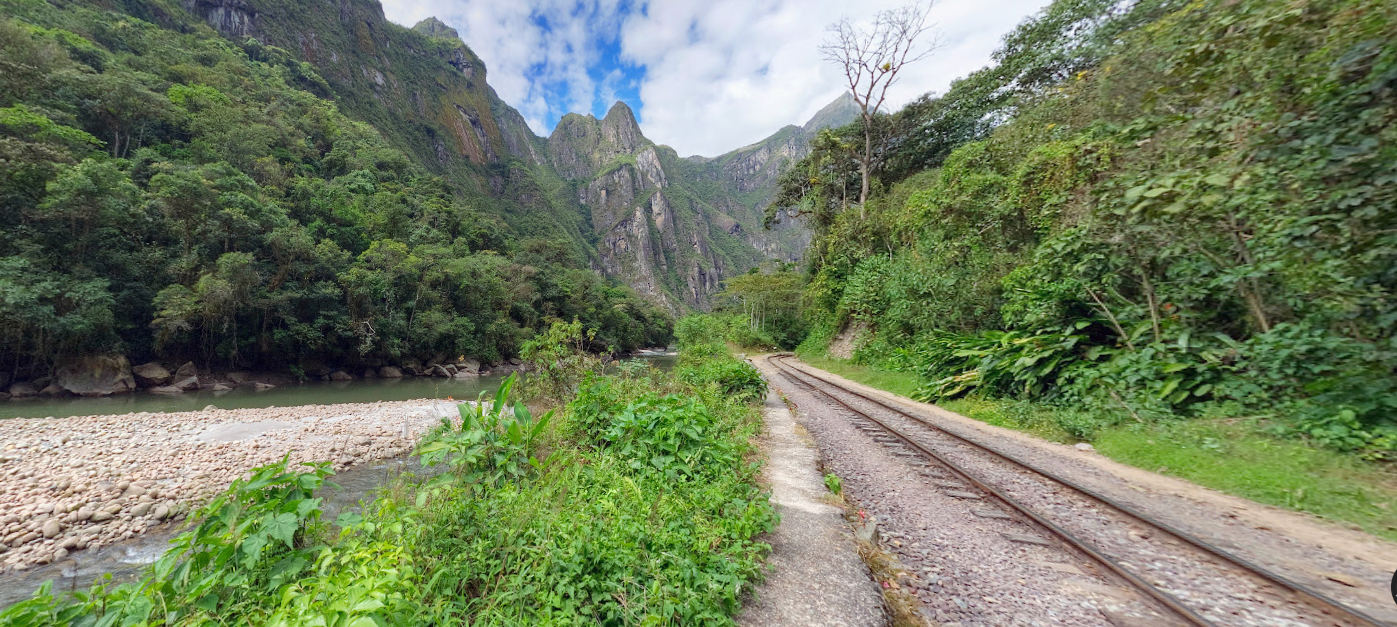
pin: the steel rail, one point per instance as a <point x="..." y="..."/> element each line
<point x="1315" y="598"/>
<point x="1161" y="597"/>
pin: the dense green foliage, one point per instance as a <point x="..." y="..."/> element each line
<point x="1168" y="210"/>
<point x="636" y="506"/>
<point x="764" y="307"/>
<point x="165" y="191"/>
<point x="704" y="360"/>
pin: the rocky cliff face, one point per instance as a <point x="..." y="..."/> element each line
<point x="652" y="236"/>
<point x="671" y="228"/>
<point x="745" y="179"/>
<point x="675" y="228"/>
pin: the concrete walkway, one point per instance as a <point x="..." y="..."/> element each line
<point x="815" y="576"/>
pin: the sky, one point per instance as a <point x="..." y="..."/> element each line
<point x="703" y="76"/>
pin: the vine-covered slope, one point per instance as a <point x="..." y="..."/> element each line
<point x="1143" y="209"/>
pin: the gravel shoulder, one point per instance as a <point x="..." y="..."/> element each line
<point x="1343" y="563"/>
<point x="70" y="484"/>
<point x="815" y="575"/>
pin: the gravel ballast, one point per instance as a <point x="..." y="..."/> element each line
<point x="967" y="570"/>
<point x="1285" y="543"/>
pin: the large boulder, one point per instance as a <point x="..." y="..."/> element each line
<point x="23" y="390"/>
<point x="151" y="375"/>
<point x="186" y="371"/>
<point x="469" y="365"/>
<point x="96" y="375"/>
<point x="340" y="375"/>
<point x="389" y="372"/>
<point x="53" y="390"/>
<point x="188" y="384"/>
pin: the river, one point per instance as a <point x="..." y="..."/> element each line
<point x="126" y="560"/>
<point x="312" y="393"/>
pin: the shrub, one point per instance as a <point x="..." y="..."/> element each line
<point x="736" y="379"/>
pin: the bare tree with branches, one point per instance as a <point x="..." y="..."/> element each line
<point x="871" y="60"/>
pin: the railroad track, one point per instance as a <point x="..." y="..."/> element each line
<point x="951" y="451"/>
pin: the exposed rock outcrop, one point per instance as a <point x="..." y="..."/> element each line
<point x="151" y="374"/>
<point x="96" y="375"/>
<point x="231" y="18"/>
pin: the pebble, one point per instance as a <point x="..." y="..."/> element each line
<point x="88" y="481"/>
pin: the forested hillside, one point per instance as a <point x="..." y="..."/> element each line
<point x="167" y="191"/>
<point x="258" y="184"/>
<point x="1141" y="210"/>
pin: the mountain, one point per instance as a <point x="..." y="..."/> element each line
<point x="671" y="228"/>
<point x="612" y="199"/>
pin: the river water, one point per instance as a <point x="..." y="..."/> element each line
<point x="312" y="393"/>
<point x="125" y="561"/>
<point x="315" y="393"/>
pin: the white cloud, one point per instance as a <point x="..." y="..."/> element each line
<point x="524" y="60"/>
<point x="720" y="74"/>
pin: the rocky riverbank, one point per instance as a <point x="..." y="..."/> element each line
<point x="108" y="375"/>
<point x="70" y="484"/>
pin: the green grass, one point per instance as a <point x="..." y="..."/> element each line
<point x="902" y="383"/>
<point x="1017" y="415"/>
<point x="1229" y="455"/>
<point x="1236" y="457"/>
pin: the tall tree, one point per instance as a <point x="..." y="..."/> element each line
<point x="871" y="59"/>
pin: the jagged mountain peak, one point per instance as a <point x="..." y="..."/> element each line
<point x="433" y="27"/>
<point x="581" y="145"/>
<point x="840" y="111"/>
<point x="621" y="109"/>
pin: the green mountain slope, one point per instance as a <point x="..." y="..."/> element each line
<point x="675" y="228"/>
<point x="427" y="92"/>
<point x="256" y="182"/>
<point x="357" y="197"/>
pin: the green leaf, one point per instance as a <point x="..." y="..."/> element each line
<point x="306" y="506"/>
<point x="252" y="549"/>
<point x="1170" y="386"/>
<point x="368" y="605"/>
<point x="208" y="602"/>
<point x="137" y="610"/>
<point x="282" y="527"/>
<point x="288" y="567"/>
